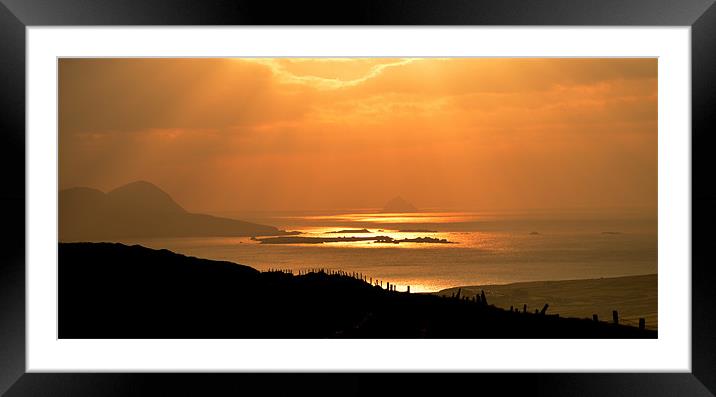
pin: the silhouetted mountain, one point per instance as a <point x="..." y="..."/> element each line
<point x="144" y="197"/>
<point x="398" y="204"/>
<point x="109" y="290"/>
<point x="141" y="210"/>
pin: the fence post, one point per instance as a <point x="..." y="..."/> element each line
<point x="408" y="289"/>
<point x="595" y="318"/>
<point x="544" y="309"/>
<point x="482" y="296"/>
<point x="642" y="323"/>
<point x="524" y="308"/>
<point x="615" y="317"/>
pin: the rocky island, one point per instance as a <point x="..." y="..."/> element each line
<point x="321" y="240"/>
<point x="398" y="205"/>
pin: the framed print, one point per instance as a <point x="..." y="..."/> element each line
<point x="524" y="197"/>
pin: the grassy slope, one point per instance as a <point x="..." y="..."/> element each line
<point x="111" y="290"/>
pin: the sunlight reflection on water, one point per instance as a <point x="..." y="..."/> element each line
<point x="418" y="217"/>
<point x="485" y="251"/>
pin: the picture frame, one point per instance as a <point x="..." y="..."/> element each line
<point x="16" y="15"/>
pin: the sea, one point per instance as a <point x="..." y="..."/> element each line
<point x="484" y="247"/>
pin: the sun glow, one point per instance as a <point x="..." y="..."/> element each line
<point x="293" y="70"/>
<point x="379" y="218"/>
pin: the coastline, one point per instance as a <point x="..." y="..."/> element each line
<point x="633" y="297"/>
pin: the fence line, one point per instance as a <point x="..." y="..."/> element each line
<point x="391" y="287"/>
<point x="479" y="299"/>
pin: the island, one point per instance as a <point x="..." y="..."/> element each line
<point x="417" y="231"/>
<point x="350" y="231"/>
<point x="321" y="240"/>
<point x="398" y="205"/>
<point x="416" y="240"/>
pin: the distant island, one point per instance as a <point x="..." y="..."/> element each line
<point x="416" y="240"/>
<point x="310" y="240"/>
<point x="398" y="205"/>
<point x="321" y="240"/>
<point x="116" y="291"/>
<point x="142" y="210"/>
<point x="417" y="231"/>
<point x="350" y="231"/>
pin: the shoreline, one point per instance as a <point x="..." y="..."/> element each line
<point x="545" y="281"/>
<point x="633" y="297"/>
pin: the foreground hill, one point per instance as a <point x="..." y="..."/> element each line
<point x="141" y="210"/>
<point x="111" y="290"/>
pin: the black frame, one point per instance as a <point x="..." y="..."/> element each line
<point x="15" y="15"/>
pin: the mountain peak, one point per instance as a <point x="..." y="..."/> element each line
<point x="399" y="204"/>
<point x="137" y="186"/>
<point x="143" y="195"/>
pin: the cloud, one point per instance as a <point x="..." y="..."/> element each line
<point x="317" y="133"/>
<point x="101" y="95"/>
<point x="286" y="72"/>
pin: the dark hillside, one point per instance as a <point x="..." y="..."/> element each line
<point x="109" y="290"/>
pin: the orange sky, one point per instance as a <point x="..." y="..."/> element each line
<point x="458" y="133"/>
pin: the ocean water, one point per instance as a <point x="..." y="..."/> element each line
<point x="487" y="248"/>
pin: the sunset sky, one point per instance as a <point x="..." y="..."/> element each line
<point x="292" y="134"/>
